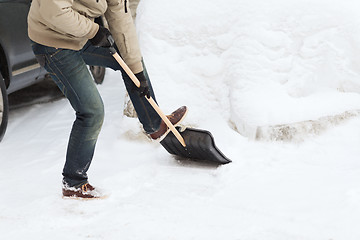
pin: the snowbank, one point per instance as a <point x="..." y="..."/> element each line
<point x="254" y="63"/>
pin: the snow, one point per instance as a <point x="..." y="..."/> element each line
<point x="243" y="68"/>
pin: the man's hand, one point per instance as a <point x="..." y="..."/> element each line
<point x="144" y="87"/>
<point x="101" y="38"/>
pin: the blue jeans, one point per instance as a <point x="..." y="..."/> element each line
<point x="68" y="69"/>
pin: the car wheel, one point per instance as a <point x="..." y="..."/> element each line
<point x="98" y="73"/>
<point x="4" y="108"/>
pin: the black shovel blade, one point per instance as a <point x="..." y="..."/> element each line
<point x="200" y="145"/>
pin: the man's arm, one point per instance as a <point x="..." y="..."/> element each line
<point x="122" y="28"/>
<point x="60" y="17"/>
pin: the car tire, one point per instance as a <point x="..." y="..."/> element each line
<point x="4" y="107"/>
<point x="98" y="74"/>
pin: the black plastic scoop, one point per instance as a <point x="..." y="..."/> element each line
<point x="200" y="145"/>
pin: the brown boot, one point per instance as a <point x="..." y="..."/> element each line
<point x="175" y="118"/>
<point x="84" y="191"/>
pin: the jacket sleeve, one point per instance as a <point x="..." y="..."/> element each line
<point x="60" y="17"/>
<point x="122" y="28"/>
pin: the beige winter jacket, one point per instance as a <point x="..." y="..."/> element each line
<point x="70" y="24"/>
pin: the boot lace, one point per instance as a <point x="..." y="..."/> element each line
<point x="85" y="187"/>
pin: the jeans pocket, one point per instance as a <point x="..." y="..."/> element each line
<point x="52" y="52"/>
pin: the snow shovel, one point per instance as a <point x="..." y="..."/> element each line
<point x="199" y="144"/>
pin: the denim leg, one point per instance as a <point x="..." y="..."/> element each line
<point x="70" y="73"/>
<point x="146" y="114"/>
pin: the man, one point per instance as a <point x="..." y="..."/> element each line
<point x="65" y="39"/>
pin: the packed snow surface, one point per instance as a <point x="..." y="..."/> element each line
<point x="239" y="66"/>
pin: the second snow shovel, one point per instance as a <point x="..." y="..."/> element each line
<point x="199" y="144"/>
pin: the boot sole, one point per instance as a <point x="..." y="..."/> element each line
<point x="84" y="199"/>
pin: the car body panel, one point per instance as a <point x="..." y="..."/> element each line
<point x="22" y="67"/>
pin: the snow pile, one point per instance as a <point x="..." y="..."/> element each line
<point x="259" y="62"/>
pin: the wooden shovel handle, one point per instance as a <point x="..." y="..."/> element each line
<point x="150" y="100"/>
